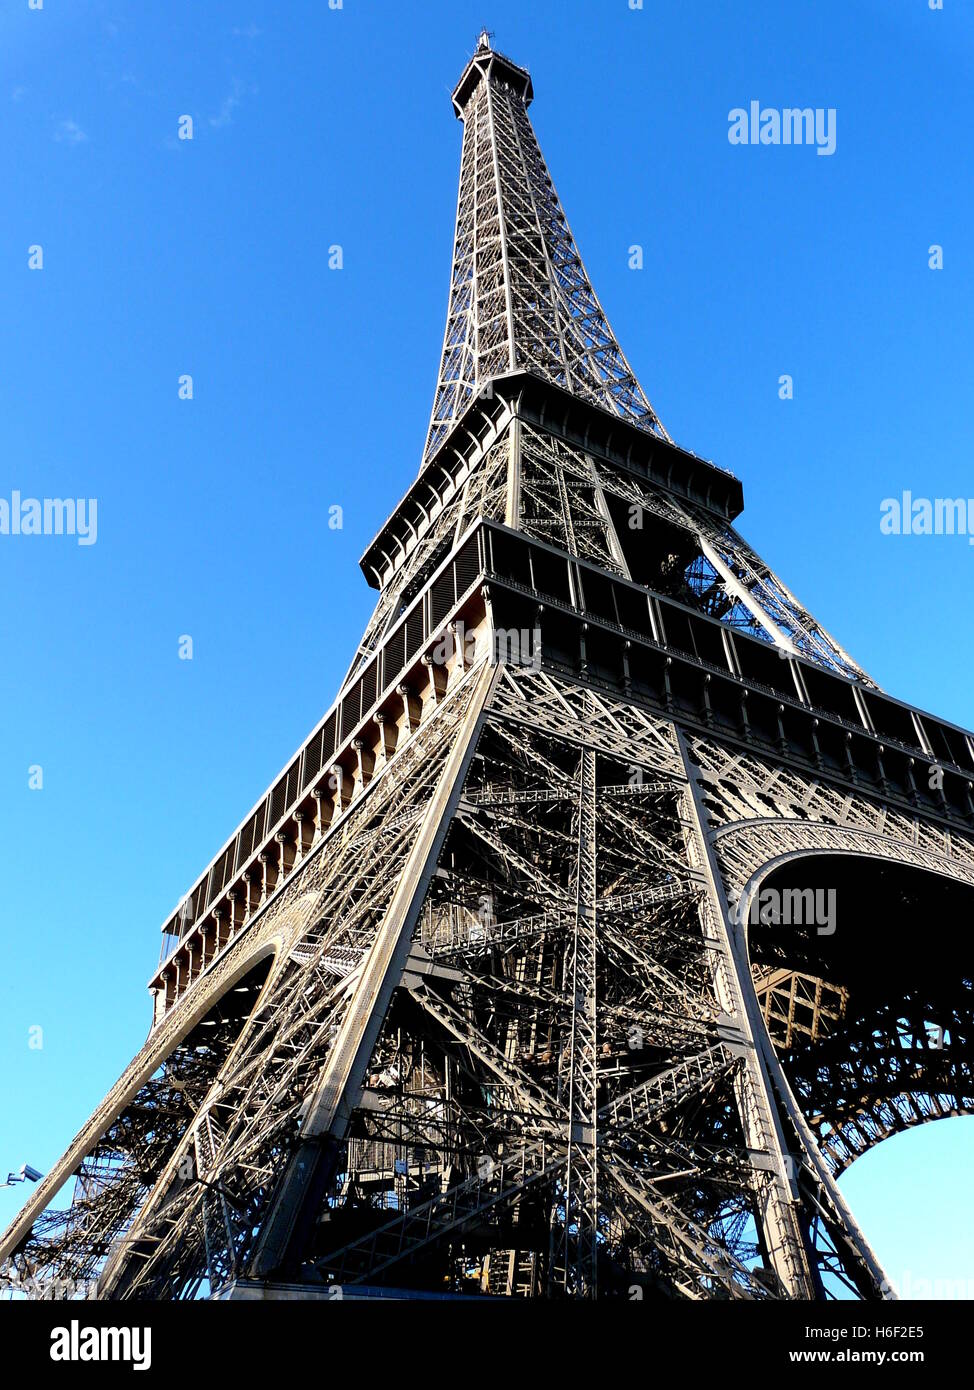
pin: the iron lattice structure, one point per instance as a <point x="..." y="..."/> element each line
<point x="474" y="1000"/>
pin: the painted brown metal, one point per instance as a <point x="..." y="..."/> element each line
<point x="475" y="1000"/>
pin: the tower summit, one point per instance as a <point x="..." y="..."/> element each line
<point x="520" y="298"/>
<point x="574" y="949"/>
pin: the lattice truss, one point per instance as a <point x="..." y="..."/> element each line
<point x="185" y="1171"/>
<point x="738" y="567"/>
<point x="566" y="1089"/>
<point x="483" y="494"/>
<point x="550" y="1107"/>
<point x="600" y="514"/>
<point x="562" y="502"/>
<point x="875" y="1035"/>
<point x="67" y="1248"/>
<point x="520" y="298"/>
<point x="519" y="294"/>
<point x="612" y="519"/>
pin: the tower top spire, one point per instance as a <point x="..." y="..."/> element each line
<point x="520" y="299"/>
<point x="488" y="65"/>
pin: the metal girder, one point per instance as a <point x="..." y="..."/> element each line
<point x="495" y="1020"/>
<point x="519" y="292"/>
<point x="581" y="1183"/>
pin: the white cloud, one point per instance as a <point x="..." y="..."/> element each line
<point x="70" y="133"/>
<point x="225" y="114"/>
<point x="230" y="103"/>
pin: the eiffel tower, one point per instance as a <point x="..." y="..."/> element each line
<point x="609" y="913"/>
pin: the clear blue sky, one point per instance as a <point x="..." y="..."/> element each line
<point x="313" y="387"/>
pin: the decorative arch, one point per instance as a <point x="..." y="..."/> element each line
<point x="865" y="1066"/>
<point x="813" y="821"/>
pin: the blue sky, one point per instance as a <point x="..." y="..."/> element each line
<point x="312" y="388"/>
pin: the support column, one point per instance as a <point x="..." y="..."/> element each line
<point x="365" y="762"/>
<point x="285" y="859"/>
<point x="339" y="1087"/>
<point x="323" y="810"/>
<point x="436" y="674"/>
<point x="250" y="879"/>
<point x="300" y="847"/>
<point x="459" y="647"/>
<point x="340" y="787"/>
<point x="775" y="1184"/>
<point x="412" y="709"/>
<point x="387" y="737"/>
<point x="581" y="1182"/>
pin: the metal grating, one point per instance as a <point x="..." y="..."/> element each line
<point x="395" y="657"/>
<point x="250" y="835"/>
<point x="414" y="632"/>
<point x="442" y="597"/>
<point x="368" y="686"/>
<point x="312" y="757"/>
<point x="351" y="710"/>
<point x="467" y="566"/>
<point x="278" y="801"/>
